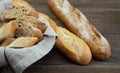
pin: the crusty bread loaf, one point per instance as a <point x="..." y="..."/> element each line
<point x="7" y="30"/>
<point x="24" y="29"/>
<point x="73" y="47"/>
<point x="79" y="25"/>
<point x="23" y="42"/>
<point x="7" y="41"/>
<point x="15" y="12"/>
<point x="67" y="50"/>
<point x="33" y="21"/>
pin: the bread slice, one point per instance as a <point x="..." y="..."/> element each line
<point x="23" y="42"/>
<point x="73" y="47"/>
<point x="33" y="21"/>
<point x="15" y="12"/>
<point x="7" y="30"/>
<point x="25" y="29"/>
<point x="23" y="3"/>
<point x="7" y="41"/>
<point x="20" y="3"/>
<point x="78" y="24"/>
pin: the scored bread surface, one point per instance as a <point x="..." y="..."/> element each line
<point x="73" y="47"/>
<point x="24" y="42"/>
<point x="78" y="24"/>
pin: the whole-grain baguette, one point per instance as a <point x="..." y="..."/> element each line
<point x="7" y="41"/>
<point x="79" y="25"/>
<point x="73" y="47"/>
<point x="7" y="30"/>
<point x="23" y="42"/>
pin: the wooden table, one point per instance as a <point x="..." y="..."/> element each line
<point x="105" y="14"/>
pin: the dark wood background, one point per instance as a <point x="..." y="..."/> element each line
<point x="105" y="15"/>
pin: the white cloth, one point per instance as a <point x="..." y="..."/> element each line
<point x="20" y="59"/>
<point x="4" y="4"/>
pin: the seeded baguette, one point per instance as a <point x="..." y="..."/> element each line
<point x="23" y="42"/>
<point x="73" y="47"/>
<point x="79" y="25"/>
<point x="7" y="30"/>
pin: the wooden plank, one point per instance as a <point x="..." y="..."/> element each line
<point x="73" y="69"/>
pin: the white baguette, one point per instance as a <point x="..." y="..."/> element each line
<point x="79" y="25"/>
<point x="23" y="42"/>
<point x="73" y="47"/>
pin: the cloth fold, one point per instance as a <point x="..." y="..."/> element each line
<point x="19" y="59"/>
<point x="2" y="57"/>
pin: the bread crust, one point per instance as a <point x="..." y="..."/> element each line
<point x="52" y="23"/>
<point x="79" y="25"/>
<point x="7" y="41"/>
<point x="73" y="47"/>
<point x="23" y="42"/>
<point x="37" y="33"/>
<point x="7" y="30"/>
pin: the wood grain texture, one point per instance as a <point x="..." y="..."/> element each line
<point x="105" y="15"/>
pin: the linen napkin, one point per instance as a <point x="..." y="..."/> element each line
<point x="19" y="59"/>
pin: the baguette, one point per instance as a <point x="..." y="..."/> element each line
<point x="67" y="50"/>
<point x="7" y="30"/>
<point x="86" y="55"/>
<point x="7" y="41"/>
<point x="79" y="25"/>
<point x="73" y="47"/>
<point x="23" y="42"/>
